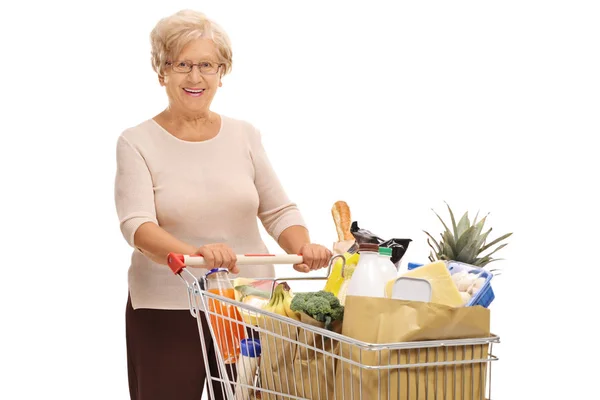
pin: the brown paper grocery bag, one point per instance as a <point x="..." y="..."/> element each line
<point x="294" y="366"/>
<point x="277" y="355"/>
<point x="315" y="370"/>
<point x="379" y="321"/>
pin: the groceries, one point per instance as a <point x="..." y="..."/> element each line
<point x="398" y="246"/>
<point x="365" y="265"/>
<point x="371" y="274"/>
<point x="347" y="276"/>
<point x="252" y="317"/>
<point x="322" y="306"/>
<point x="385" y="255"/>
<point x="281" y="301"/>
<point x="373" y="277"/>
<point x="467" y="284"/>
<point x="464" y="242"/>
<point x="255" y="293"/>
<point x="474" y="283"/>
<point x="366" y="298"/>
<point x="443" y="289"/>
<point x="246" y="367"/>
<point x="228" y="334"/>
<point x="363" y="235"/>
<point x="412" y="289"/>
<point x="341" y="271"/>
<point x="341" y="218"/>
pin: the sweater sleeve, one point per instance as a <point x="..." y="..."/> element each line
<point x="275" y="209"/>
<point x="134" y="193"/>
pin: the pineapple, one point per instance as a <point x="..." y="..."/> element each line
<point x="464" y="242"/>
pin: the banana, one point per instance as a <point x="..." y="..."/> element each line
<point x="280" y="309"/>
<point x="281" y="301"/>
<point x="276" y="305"/>
<point x="288" y="310"/>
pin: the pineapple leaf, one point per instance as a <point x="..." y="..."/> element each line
<point x="475" y="220"/>
<point x="454" y="228"/>
<point x="443" y="223"/>
<point x="497" y="248"/>
<point x="501" y="238"/>
<point x="447" y="253"/>
<point x="481" y="262"/>
<point x="448" y="239"/>
<point x="431" y="257"/>
<point x="439" y="249"/>
<point x="465" y="239"/>
<point x="480" y="224"/>
<point x="468" y="252"/>
<point x="467" y="255"/>
<point x="481" y="240"/>
<point x="463" y="225"/>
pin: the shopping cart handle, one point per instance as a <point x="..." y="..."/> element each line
<point x="177" y="262"/>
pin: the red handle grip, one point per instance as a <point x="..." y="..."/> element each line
<point x="176" y="262"/>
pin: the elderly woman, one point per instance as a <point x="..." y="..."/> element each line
<point x="192" y="181"/>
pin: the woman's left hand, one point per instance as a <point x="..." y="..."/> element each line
<point x="314" y="256"/>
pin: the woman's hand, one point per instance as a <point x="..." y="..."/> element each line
<point x="314" y="256"/>
<point x="218" y="255"/>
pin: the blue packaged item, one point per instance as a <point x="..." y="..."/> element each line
<point x="412" y="265"/>
<point x="250" y="347"/>
<point x="485" y="294"/>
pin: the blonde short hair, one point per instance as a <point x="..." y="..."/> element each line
<point x="171" y="34"/>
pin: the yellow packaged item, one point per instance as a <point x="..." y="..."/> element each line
<point x="335" y="280"/>
<point x="443" y="288"/>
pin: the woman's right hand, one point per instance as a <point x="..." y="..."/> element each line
<point x="218" y="255"/>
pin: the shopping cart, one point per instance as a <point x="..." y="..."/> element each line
<point x="302" y="361"/>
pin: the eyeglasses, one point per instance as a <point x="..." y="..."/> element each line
<point x="185" y="67"/>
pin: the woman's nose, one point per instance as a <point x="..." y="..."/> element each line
<point x="194" y="75"/>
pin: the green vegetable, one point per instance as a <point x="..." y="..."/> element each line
<point x="322" y="306"/>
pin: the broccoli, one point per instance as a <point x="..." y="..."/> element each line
<point x="322" y="306"/>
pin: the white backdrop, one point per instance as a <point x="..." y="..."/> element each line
<point x="395" y="109"/>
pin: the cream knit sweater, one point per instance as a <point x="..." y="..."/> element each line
<point x="200" y="192"/>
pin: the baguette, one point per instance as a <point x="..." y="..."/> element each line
<point x="342" y="219"/>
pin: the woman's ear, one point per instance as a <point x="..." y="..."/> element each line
<point x="161" y="80"/>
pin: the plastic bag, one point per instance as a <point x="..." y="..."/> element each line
<point x="398" y="246"/>
<point x="363" y="235"/>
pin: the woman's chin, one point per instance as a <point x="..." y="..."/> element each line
<point x="193" y="109"/>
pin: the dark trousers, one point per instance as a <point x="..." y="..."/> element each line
<point x="164" y="355"/>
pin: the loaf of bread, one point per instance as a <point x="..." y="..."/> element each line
<point x="342" y="219"/>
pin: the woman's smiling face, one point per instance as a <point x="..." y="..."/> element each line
<point x="191" y="93"/>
